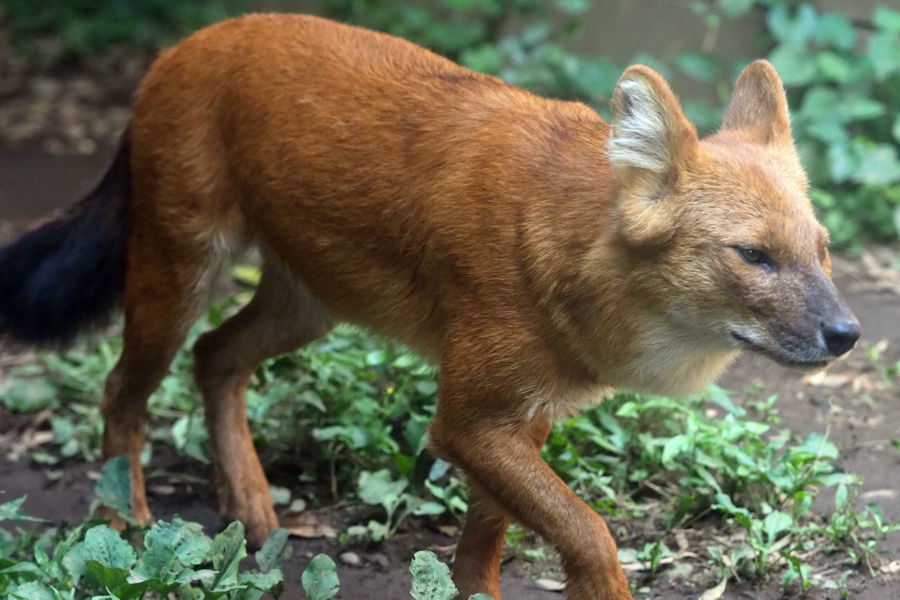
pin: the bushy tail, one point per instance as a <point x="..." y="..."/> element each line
<point x="69" y="274"/>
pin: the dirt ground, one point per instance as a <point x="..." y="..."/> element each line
<point x="853" y="403"/>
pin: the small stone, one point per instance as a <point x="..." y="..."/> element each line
<point x="351" y="559"/>
<point x="380" y="559"/>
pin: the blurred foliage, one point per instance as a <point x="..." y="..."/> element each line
<point x="51" y="32"/>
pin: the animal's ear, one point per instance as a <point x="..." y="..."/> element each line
<point x="650" y="135"/>
<point x="650" y="142"/>
<point x="758" y="111"/>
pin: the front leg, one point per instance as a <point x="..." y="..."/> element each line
<point x="477" y="564"/>
<point x="496" y="448"/>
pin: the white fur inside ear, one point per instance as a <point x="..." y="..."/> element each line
<point x="639" y="135"/>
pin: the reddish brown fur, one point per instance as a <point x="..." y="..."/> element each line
<point x="480" y="224"/>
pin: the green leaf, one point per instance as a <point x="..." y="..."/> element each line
<point x="427" y="387"/>
<point x="262" y="581"/>
<point x="793" y="64"/>
<point x="879" y="165"/>
<point x="795" y="29"/>
<point x="279" y="495"/>
<point x="886" y="19"/>
<point x="429" y="508"/>
<point x="834" y="67"/>
<point x="776" y="523"/>
<point x="12" y="511"/>
<point x="700" y="66"/>
<point x="107" y="547"/>
<point x="376" y="357"/>
<point x="248" y="275"/>
<point x="320" y="579"/>
<point x="673" y="447"/>
<point x="861" y="108"/>
<point x="379" y="488"/>
<point x="170" y="549"/>
<point x="895" y="129"/>
<point x="840" y="497"/>
<point x="573" y="7"/>
<point x="480" y="596"/>
<point x="32" y="590"/>
<point x="276" y="550"/>
<point x="107" y="578"/>
<point x="837" y="31"/>
<point x="75" y="562"/>
<point x="28" y="395"/>
<point x="228" y="548"/>
<point x="884" y="52"/>
<point x="430" y="578"/>
<point x="113" y="489"/>
<point x="735" y="8"/>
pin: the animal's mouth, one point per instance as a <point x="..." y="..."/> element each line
<point x="803" y="365"/>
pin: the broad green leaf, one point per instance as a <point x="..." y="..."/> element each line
<point x="276" y="550"/>
<point x="793" y="28"/>
<point x="480" y="596"/>
<point x="837" y="31"/>
<point x="834" y="67"/>
<point x="775" y="524"/>
<point x="262" y="581"/>
<point x="228" y="548"/>
<point x="379" y="488"/>
<point x="106" y="577"/>
<point x="75" y="561"/>
<point x="430" y="578"/>
<point x="113" y="489"/>
<point x="170" y="549"/>
<point x="320" y="579"/>
<point x="27" y="395"/>
<point x="107" y="547"/>
<point x="32" y="590"/>
<point x="884" y="52"/>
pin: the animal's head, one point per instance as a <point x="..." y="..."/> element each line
<point x="722" y="226"/>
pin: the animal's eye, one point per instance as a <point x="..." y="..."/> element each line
<point x="755" y="256"/>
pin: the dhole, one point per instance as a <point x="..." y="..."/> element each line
<point x="538" y="254"/>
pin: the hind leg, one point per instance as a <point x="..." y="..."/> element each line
<point x="161" y="300"/>
<point x="281" y="317"/>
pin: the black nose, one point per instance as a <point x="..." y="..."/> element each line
<point x="840" y="336"/>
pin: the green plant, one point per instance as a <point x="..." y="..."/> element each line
<point x="51" y="31"/>
<point x="653" y="553"/>
<point x="94" y="561"/>
<point x="320" y="580"/>
<point x="431" y="579"/>
<point x="381" y="489"/>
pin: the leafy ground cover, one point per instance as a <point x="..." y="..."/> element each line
<point x="173" y="559"/>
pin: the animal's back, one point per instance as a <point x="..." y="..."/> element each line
<point x="359" y="159"/>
